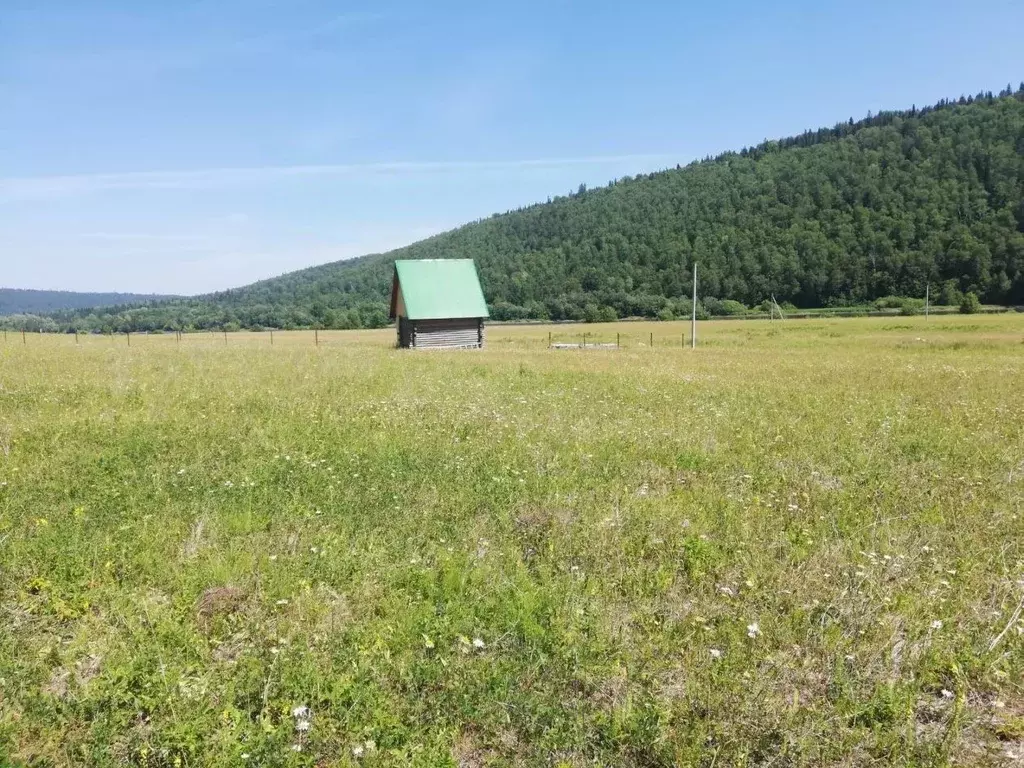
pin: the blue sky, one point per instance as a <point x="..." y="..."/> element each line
<point x="182" y="147"/>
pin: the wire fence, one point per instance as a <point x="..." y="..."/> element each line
<point x="558" y="338"/>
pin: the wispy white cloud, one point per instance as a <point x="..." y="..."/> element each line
<point x="39" y="187"/>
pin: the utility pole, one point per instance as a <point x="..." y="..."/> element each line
<point x="693" y="317"/>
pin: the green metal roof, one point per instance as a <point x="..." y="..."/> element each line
<point x="438" y="288"/>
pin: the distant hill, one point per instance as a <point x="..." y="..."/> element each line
<point x="15" y="301"/>
<point x="842" y="215"/>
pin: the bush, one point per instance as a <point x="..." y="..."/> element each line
<point x="970" y="305"/>
<point x="666" y="314"/>
<point x="889" y="302"/>
<point x="608" y="315"/>
<point x="730" y="307"/>
<point x="950" y="294"/>
<point x="911" y="306"/>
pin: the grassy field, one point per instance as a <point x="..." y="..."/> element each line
<point x="800" y="544"/>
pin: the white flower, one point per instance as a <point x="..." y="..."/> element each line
<point x="936" y="624"/>
<point x="245" y="755"/>
<point x="302" y="726"/>
<point x="753" y="630"/>
<point x="478" y="643"/>
<point x="357" y="750"/>
<point x="727" y="591"/>
<point x="273" y="558"/>
<point x="715" y="653"/>
<point x="296" y="747"/>
<point x="946" y="694"/>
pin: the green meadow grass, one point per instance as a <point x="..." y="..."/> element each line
<point x="798" y="545"/>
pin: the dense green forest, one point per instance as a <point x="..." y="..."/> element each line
<point x="20" y="300"/>
<point x="834" y="217"/>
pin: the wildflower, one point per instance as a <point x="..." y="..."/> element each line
<point x="273" y="558"/>
<point x="302" y="726"/>
<point x="478" y="643"/>
<point x="947" y="694"/>
<point x="715" y="653"/>
<point x="753" y="630"/>
<point x="300" y="712"/>
<point x="936" y="624"/>
<point x="727" y="591"/>
<point x="244" y="755"/>
<point x="357" y="750"/>
<point x="296" y="747"/>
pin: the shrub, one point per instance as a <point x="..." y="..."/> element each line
<point x="970" y="305"/>
<point x="889" y="302"/>
<point x="731" y="307"/>
<point x="950" y="294"/>
<point x="911" y="306"/>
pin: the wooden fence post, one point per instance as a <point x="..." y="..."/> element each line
<point x="316" y="337"/>
<point x="271" y="337"/>
<point x="128" y="335"/>
<point x="549" y="339"/>
<point x="225" y="335"/>
<point x="652" y="338"/>
<point x="616" y="340"/>
<point x="23" y="336"/>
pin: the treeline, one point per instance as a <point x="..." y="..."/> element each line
<point x="879" y="207"/>
<point x="23" y="300"/>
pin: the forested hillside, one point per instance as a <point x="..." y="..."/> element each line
<point x="19" y="300"/>
<point x="837" y="216"/>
